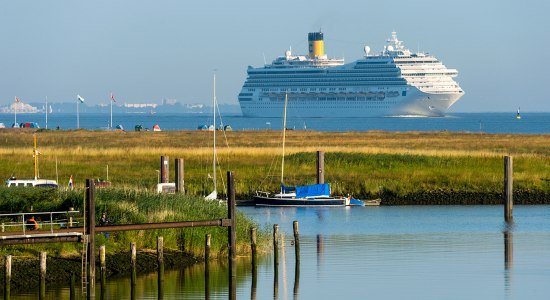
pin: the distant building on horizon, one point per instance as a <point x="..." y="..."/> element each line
<point x="20" y="107"/>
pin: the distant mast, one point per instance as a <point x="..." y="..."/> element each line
<point x="46" y="112"/>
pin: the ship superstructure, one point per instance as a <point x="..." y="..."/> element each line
<point x="395" y="82"/>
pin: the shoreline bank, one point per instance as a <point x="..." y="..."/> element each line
<point x="61" y="270"/>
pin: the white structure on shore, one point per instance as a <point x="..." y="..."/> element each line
<point x="21" y="107"/>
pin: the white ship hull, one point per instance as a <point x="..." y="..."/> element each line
<point x="415" y="103"/>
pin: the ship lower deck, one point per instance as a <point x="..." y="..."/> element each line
<point x="415" y="103"/>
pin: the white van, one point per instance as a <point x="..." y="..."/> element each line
<point x="12" y="182"/>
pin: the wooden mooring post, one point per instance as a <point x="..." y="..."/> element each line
<point x="43" y="257"/>
<point x="133" y="279"/>
<point x="90" y="233"/>
<point x="253" y="245"/>
<point x="207" y="244"/>
<point x="275" y="261"/>
<point x="179" y="176"/>
<point x="232" y="235"/>
<point x="508" y="189"/>
<point x="133" y="255"/>
<point x="254" y="266"/>
<point x="160" y="250"/>
<point x="320" y="167"/>
<point x="296" y="240"/>
<point x="7" y="276"/>
<point x="103" y="271"/>
<point x="164" y="169"/>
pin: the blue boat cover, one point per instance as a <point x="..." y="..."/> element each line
<point x="308" y="190"/>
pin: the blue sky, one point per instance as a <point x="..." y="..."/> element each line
<point x="144" y="51"/>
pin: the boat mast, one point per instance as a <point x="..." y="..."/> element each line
<point x="111" y="122"/>
<point x="35" y="156"/>
<point x="284" y="136"/>
<point x="214" y="110"/>
<point x="46" y="112"/>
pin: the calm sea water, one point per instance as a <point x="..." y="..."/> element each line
<point x="532" y="123"/>
<point x="410" y="252"/>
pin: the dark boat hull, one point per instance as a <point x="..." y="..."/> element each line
<point x="272" y="201"/>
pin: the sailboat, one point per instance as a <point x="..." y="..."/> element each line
<point x="214" y="194"/>
<point x="518" y="116"/>
<point x="307" y="195"/>
<point x="36" y="182"/>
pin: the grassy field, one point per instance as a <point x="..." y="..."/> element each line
<point x="128" y="206"/>
<point x="365" y="164"/>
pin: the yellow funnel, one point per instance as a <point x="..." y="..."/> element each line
<point x="316" y="44"/>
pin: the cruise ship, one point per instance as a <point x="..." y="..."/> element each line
<point x="395" y="82"/>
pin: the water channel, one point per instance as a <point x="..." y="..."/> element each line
<point x="412" y="252"/>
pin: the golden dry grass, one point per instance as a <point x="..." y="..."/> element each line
<point x="362" y="160"/>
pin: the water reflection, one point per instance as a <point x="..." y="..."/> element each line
<point x="508" y="257"/>
<point x="387" y="253"/>
<point x="320" y="250"/>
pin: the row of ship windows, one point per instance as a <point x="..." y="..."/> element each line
<point x="322" y="107"/>
<point x="374" y="83"/>
<point x="394" y="73"/>
<point x="321" y="99"/>
<point x="341" y="89"/>
<point x="304" y="89"/>
<point x="296" y="89"/>
<point x="290" y="72"/>
<point x="331" y="73"/>
<point x="327" y="80"/>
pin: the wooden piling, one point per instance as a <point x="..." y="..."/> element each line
<point x="207" y="245"/>
<point x="232" y="235"/>
<point x="231" y="216"/>
<point x="296" y="240"/>
<point x="160" y="250"/>
<point x="102" y="262"/>
<point x="275" y="261"/>
<point x="133" y="279"/>
<point x="7" y="276"/>
<point x="103" y="271"/>
<point x="133" y="255"/>
<point x="508" y="189"/>
<point x="164" y="176"/>
<point x="72" y="289"/>
<point x="43" y="256"/>
<point x="253" y="245"/>
<point x="160" y="261"/>
<point x="90" y="232"/>
<point x="276" y="245"/>
<point x="179" y="176"/>
<point x="320" y="167"/>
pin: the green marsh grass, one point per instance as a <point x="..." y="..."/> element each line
<point x="129" y="206"/>
<point x="361" y="163"/>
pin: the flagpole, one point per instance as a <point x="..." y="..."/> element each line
<point x="77" y="116"/>
<point x="111" y="112"/>
<point x="15" y="112"/>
